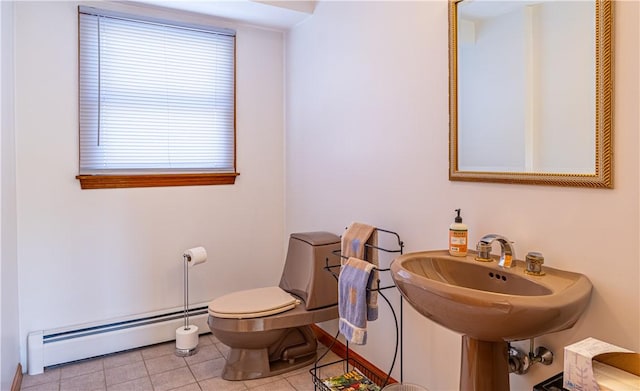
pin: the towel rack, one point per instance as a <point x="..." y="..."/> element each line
<point x="398" y="248"/>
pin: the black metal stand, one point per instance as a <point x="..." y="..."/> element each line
<point x="352" y="362"/>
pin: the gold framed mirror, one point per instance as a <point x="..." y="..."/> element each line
<point x="535" y="105"/>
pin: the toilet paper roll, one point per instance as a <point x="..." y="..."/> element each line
<point x="187" y="339"/>
<point x="196" y="255"/>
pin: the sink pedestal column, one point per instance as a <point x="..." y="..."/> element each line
<point x="485" y="365"/>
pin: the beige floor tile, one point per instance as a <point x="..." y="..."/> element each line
<point x="188" y="387"/>
<point x="301" y="382"/>
<point x="172" y="379"/>
<point x="81" y="368"/>
<point x="162" y="349"/>
<point x="204" y="340"/>
<point x="205" y="353"/>
<point x="124" y="358"/>
<point x="297" y="372"/>
<point x="307" y="368"/>
<point x="280" y="385"/>
<point x="264" y="380"/>
<point x="223" y="349"/>
<point x="128" y="371"/>
<point x="141" y="384"/>
<point x="208" y="369"/>
<point x="125" y="373"/>
<point x="90" y="382"/>
<point x="164" y="363"/>
<point x="49" y="375"/>
<point x="55" y="386"/>
<point x="327" y="358"/>
<point x="219" y="384"/>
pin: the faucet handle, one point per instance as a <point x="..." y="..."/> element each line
<point x="534" y="262"/>
<point x="484" y="251"/>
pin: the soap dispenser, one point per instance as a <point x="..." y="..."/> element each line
<point x="458" y="235"/>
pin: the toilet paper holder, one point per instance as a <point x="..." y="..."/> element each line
<point x="187" y="335"/>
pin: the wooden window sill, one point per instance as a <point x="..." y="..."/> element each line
<point x="155" y="180"/>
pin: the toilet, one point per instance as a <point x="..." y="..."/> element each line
<point x="268" y="329"/>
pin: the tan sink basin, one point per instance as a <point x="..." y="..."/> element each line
<point x="486" y="302"/>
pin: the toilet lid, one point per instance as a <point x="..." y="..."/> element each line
<point x="252" y="303"/>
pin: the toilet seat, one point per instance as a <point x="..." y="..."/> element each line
<point x="253" y="303"/>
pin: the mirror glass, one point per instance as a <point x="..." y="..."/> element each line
<point x="527" y="82"/>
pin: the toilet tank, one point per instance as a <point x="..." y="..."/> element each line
<point x="304" y="274"/>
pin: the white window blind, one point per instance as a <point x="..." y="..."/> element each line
<point x="155" y="97"/>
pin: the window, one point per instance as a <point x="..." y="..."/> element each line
<point x="157" y="102"/>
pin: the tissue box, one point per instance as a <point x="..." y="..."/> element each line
<point x="593" y="365"/>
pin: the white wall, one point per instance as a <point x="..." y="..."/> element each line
<point x="9" y="330"/>
<point x="367" y="140"/>
<point x="92" y="255"/>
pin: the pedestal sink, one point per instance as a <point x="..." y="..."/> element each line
<point x="490" y="305"/>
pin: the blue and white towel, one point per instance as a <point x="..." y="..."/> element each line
<point x="355" y="278"/>
<point x="360" y="241"/>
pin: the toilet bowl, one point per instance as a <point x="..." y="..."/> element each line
<point x="268" y="329"/>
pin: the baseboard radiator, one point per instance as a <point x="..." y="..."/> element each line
<point x="51" y="347"/>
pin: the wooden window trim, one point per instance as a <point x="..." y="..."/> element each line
<point x="155" y="180"/>
<point x="169" y="178"/>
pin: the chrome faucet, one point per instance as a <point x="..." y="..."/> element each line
<point x="507" y="253"/>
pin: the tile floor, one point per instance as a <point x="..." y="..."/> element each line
<point x="156" y="368"/>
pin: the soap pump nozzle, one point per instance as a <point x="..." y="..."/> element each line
<point x="458" y="218"/>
